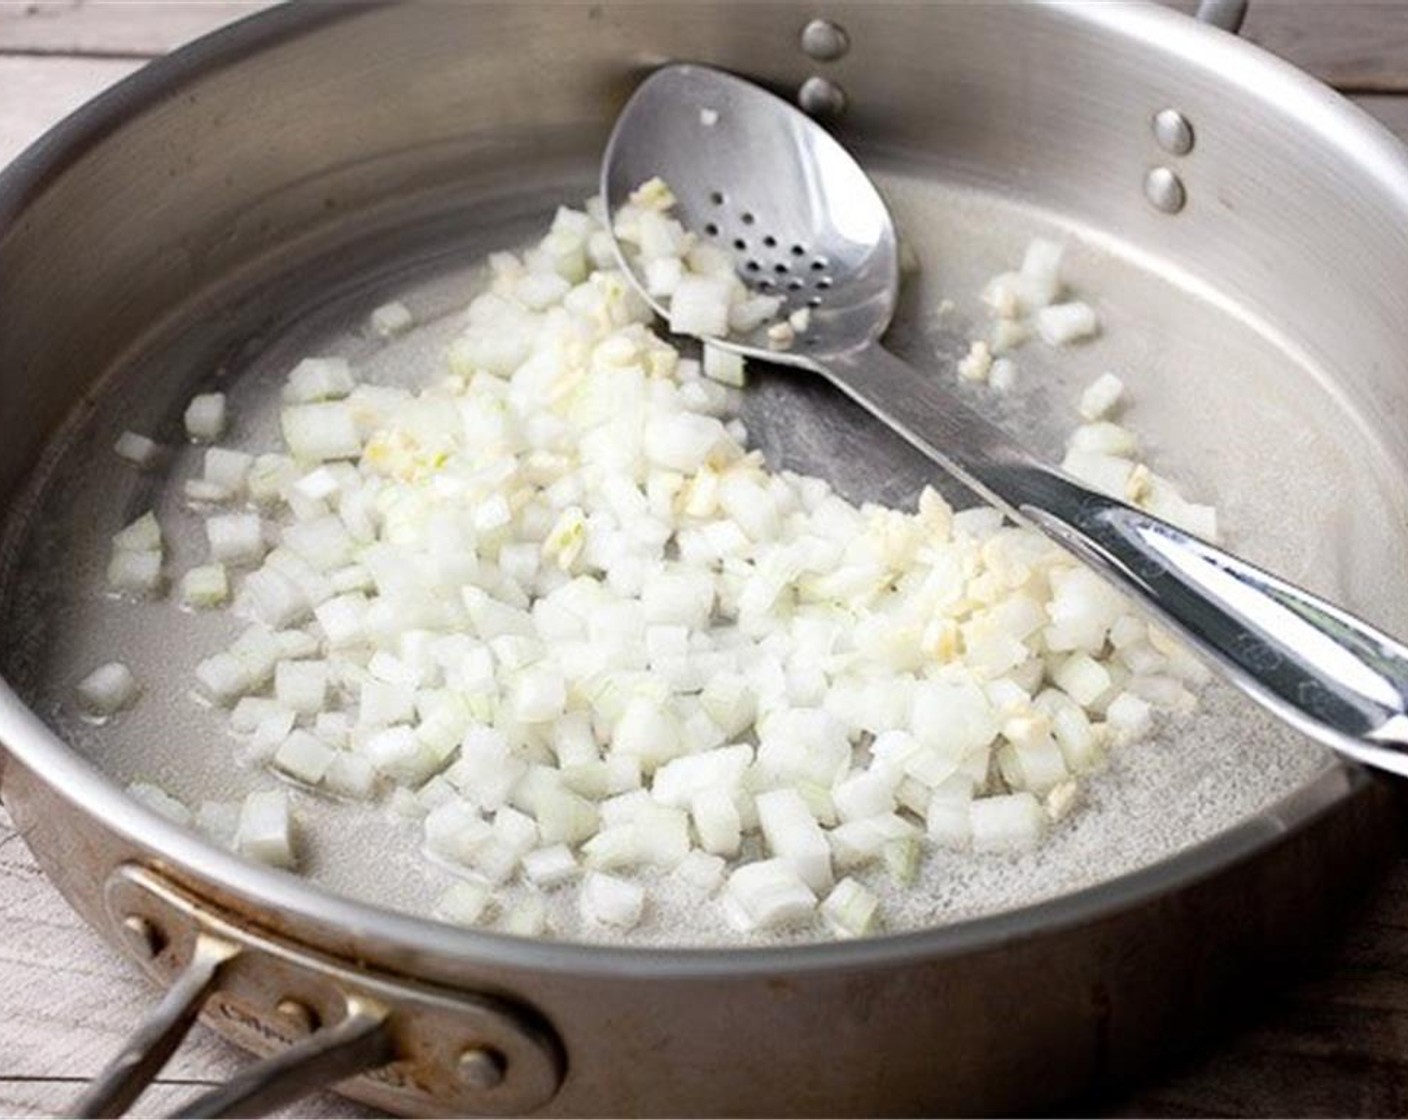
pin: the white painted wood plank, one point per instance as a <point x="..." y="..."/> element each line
<point x="130" y="27"/>
<point x="37" y="92"/>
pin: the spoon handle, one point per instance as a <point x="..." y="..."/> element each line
<point x="1318" y="667"/>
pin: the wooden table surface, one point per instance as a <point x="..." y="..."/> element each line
<point x="1335" y="1043"/>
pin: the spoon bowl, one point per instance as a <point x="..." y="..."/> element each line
<point x="761" y="181"/>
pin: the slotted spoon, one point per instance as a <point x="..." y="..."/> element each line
<point x="760" y="178"/>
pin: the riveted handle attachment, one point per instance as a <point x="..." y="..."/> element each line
<point x="317" y="1020"/>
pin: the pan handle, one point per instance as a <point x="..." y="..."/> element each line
<point x="1226" y="14"/>
<point x="401" y="1045"/>
<point x="359" y="1043"/>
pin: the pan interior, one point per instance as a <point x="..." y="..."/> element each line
<point x="1301" y="483"/>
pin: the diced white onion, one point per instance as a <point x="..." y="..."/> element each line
<point x="158" y="800"/>
<point x="1008" y="823"/>
<point x="850" y="910"/>
<point x="319" y="379"/>
<point x="205" y="417"/>
<point x="265" y="831"/>
<point x="108" y="689"/>
<point x="236" y="539"/>
<point x="143" y="535"/>
<point x="391" y="319"/>
<point x="304" y="756"/>
<point x="765" y="895"/>
<point x="136" y="449"/>
<point x="205" y="586"/>
<point x="612" y="901"/>
<point x="136" y="573"/>
<point x="1101" y="396"/>
<point x="1063" y="323"/>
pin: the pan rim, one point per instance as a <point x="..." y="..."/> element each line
<point x="33" y="744"/>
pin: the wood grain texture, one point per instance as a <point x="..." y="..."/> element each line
<point x="1333" y="1044"/>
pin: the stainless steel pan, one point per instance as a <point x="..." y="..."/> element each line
<point x="230" y="205"/>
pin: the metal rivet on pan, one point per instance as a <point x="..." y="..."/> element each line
<point x="1164" y="190"/>
<point x="481" y="1067"/>
<point x="1173" y="132"/>
<point x="144" y="934"/>
<point x="298" y="1014"/>
<point x="825" y="41"/>
<point x="821" y="97"/>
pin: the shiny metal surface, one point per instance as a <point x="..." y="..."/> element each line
<point x="756" y="170"/>
<point x="358" y="1043"/>
<point x="149" y="1048"/>
<point x="244" y="157"/>
<point x="1165" y="190"/>
<point x="1173" y="132"/>
<point x="824" y="40"/>
<point x="757" y="178"/>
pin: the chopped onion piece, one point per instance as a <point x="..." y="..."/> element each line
<point x="1003" y="375"/>
<point x="350" y="775"/>
<point x="700" y="305"/>
<point x="235" y="538"/>
<point x="1067" y="322"/>
<point x="465" y="904"/>
<point x="766" y="895"/>
<point x="265" y="830"/>
<point x="205" y="586"/>
<point x="611" y="901"/>
<point x="108" y="689"/>
<point x="793" y="835"/>
<point x="977" y="363"/>
<point x="136" y="573"/>
<point x="143" y="535"/>
<point x="158" y="800"/>
<point x="301" y="686"/>
<point x="205" y="417"/>
<point x="850" y="910"/>
<point x="319" y="379"/>
<point x="550" y="866"/>
<point x="321" y="431"/>
<point x="1008" y="823"/>
<point x="304" y="756"/>
<point x="138" y="450"/>
<point x="529" y="918"/>
<point x="1101" y="396"/>
<point x="391" y="319"/>
<point x="702" y="871"/>
<point x="1041" y="272"/>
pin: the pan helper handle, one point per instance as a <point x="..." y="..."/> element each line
<point x="317" y="1020"/>
<point x="148" y="1050"/>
